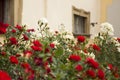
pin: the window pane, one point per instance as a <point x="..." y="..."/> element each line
<point x="79" y="24"/>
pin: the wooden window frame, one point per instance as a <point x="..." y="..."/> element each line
<point x="13" y="13"/>
<point x="83" y="13"/>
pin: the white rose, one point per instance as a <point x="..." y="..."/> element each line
<point x="56" y="42"/>
<point x="107" y="28"/>
<point x="43" y="22"/>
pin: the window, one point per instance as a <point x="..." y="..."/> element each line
<point x="81" y="22"/>
<point x="11" y="11"/>
<point x="1" y="10"/>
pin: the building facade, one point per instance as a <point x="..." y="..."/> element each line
<point x="82" y="17"/>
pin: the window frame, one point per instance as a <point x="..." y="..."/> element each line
<point x="12" y="14"/>
<point x="83" y="13"/>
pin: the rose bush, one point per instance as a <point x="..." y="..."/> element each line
<point x="107" y="49"/>
<point x="25" y="55"/>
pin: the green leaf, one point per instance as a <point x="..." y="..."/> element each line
<point x="59" y="52"/>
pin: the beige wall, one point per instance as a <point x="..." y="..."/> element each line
<point x="113" y="16"/>
<point x="33" y="10"/>
<point x="58" y="12"/>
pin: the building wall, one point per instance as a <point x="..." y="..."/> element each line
<point x="33" y="10"/>
<point x="113" y="16"/>
<point x="58" y="12"/>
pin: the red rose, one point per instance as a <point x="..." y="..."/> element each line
<point x="18" y="27"/>
<point x="46" y="64"/>
<point x="47" y="50"/>
<point x="38" y="61"/>
<point x="116" y="75"/>
<point x="18" y="55"/>
<point x="36" y="48"/>
<point x="5" y="25"/>
<point x="30" y="30"/>
<point x="101" y="74"/>
<point x="118" y="40"/>
<point x="31" y="77"/>
<point x="3" y="53"/>
<point x="74" y="57"/>
<point x="95" y="47"/>
<point x="48" y="70"/>
<point x="13" y="60"/>
<point x="91" y="73"/>
<point x="52" y="45"/>
<point x="85" y="51"/>
<point x="78" y="67"/>
<point x="110" y="66"/>
<point x="92" y="63"/>
<point x="25" y="37"/>
<point x="37" y="43"/>
<point x="13" y="40"/>
<point x="4" y="75"/>
<point x="13" y="31"/>
<point x="3" y="28"/>
<point x="25" y="65"/>
<point x="81" y="38"/>
<point x="50" y="60"/>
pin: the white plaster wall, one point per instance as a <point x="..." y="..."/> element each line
<point x="113" y="16"/>
<point x="59" y="12"/>
<point x="33" y="10"/>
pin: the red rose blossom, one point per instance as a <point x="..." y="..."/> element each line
<point x="78" y="67"/>
<point x="46" y="64"/>
<point x="81" y="38"/>
<point x="13" y="40"/>
<point x="37" y="43"/>
<point x="50" y="59"/>
<point x="95" y="47"/>
<point x="74" y="57"/>
<point x="25" y="37"/>
<point x="110" y="66"/>
<point x="3" y="53"/>
<point x="47" y="50"/>
<point x="30" y="30"/>
<point x="118" y="40"/>
<point x="18" y="27"/>
<point x="116" y="75"/>
<point x="36" y="48"/>
<point x="4" y="75"/>
<point x="48" y="70"/>
<point x="25" y="65"/>
<point x="92" y="63"/>
<point x="91" y="73"/>
<point x="13" y="60"/>
<point x="85" y="51"/>
<point x="13" y="31"/>
<point x="31" y="77"/>
<point x="52" y="45"/>
<point x="3" y="28"/>
<point x="38" y="61"/>
<point x="101" y="74"/>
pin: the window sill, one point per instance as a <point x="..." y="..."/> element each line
<point x="82" y="34"/>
